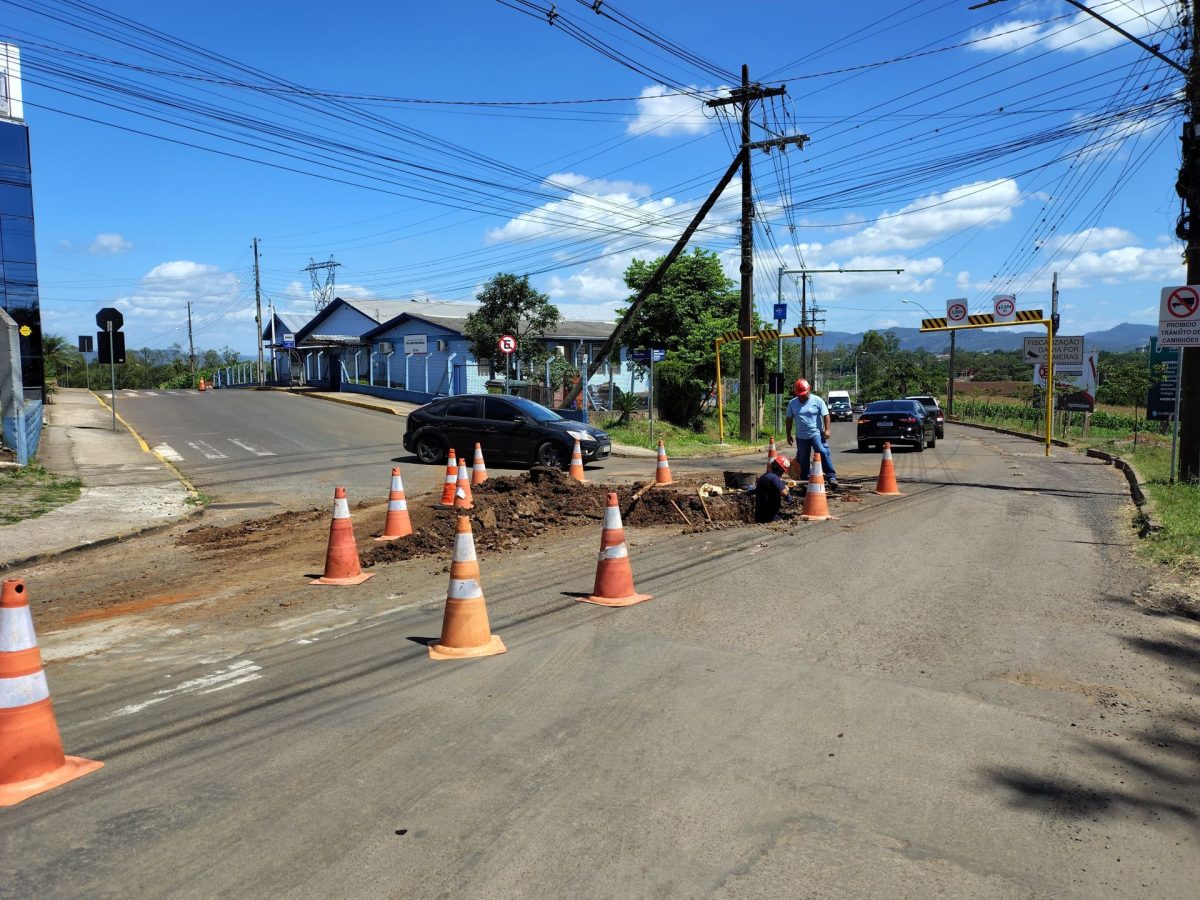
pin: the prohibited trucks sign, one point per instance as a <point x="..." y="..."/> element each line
<point x="1179" y="317"/>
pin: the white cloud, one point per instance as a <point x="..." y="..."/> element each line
<point x="1121" y="264"/>
<point x="109" y="244"/>
<point x="664" y="113"/>
<point x="1080" y="32"/>
<point x="572" y="181"/>
<point x="983" y="204"/>
<point x="1095" y="238"/>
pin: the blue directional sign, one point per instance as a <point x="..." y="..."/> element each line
<point x="644" y="355"/>
<point x="780" y="312"/>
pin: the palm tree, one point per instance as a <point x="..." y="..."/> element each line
<point x="58" y="356"/>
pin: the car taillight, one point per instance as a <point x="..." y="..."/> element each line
<point x="863" y="420"/>
<point x="908" y="420"/>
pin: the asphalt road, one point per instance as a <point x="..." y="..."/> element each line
<point x="955" y="692"/>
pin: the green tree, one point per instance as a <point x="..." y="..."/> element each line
<point x="59" y="357"/>
<point x="508" y="304"/>
<point x="694" y="303"/>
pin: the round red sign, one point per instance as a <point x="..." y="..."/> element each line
<point x="1005" y="306"/>
<point x="507" y="343"/>
<point x="1182" y="303"/>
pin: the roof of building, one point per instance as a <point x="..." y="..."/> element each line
<point x="453" y="317"/>
<point x="291" y="322"/>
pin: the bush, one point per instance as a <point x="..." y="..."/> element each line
<point x="678" y="393"/>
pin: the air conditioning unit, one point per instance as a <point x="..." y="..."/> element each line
<point x="386" y="347"/>
<point x="560" y="350"/>
<point x="443" y="346"/>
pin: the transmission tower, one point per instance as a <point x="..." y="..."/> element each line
<point x="322" y="293"/>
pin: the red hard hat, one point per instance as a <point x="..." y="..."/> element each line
<point x="782" y="461"/>
<point x="800" y="387"/>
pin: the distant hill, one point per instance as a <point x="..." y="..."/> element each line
<point x="1124" y="337"/>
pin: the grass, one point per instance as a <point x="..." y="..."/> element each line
<point x="30" y="491"/>
<point x="678" y="441"/>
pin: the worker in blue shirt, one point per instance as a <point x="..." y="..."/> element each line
<point x="811" y="418"/>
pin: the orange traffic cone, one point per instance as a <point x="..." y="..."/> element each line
<point x="201" y="386"/>
<point x="478" y="469"/>
<point x="886" y="484"/>
<point x="662" y="471"/>
<point x="31" y="750"/>
<point x="451" y="483"/>
<point x="341" y="559"/>
<point x="614" y="576"/>
<point x="771" y="454"/>
<point x="462" y="488"/>
<point x="816" y="504"/>
<point x="397" y="524"/>
<point x="465" y="628"/>
<point x="577" y="463"/>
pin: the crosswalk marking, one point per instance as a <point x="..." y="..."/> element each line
<point x="166" y="451"/>
<point x="255" y="450"/>
<point x="207" y="450"/>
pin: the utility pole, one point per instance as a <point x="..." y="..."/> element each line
<point x="1188" y="230"/>
<point x="258" y="314"/>
<point x="191" y="346"/>
<point x="274" y="366"/>
<point x="745" y="97"/>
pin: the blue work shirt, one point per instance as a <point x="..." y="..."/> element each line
<point x="808" y="415"/>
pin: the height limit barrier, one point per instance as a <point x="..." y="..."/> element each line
<point x="1022" y="317"/>
<point x="769" y="334"/>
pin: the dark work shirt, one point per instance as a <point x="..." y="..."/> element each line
<point x="768" y="497"/>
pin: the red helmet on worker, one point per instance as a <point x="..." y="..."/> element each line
<point x="801" y="387"/>
<point x="782" y="462"/>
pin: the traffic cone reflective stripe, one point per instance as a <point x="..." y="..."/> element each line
<point x="816" y="504"/>
<point x="450" y="485"/>
<point x="478" y="469"/>
<point x="341" y="557"/>
<point x="886" y="485"/>
<point x="771" y="454"/>
<point x="662" y="469"/>
<point x="31" y="751"/>
<point x="462" y="490"/>
<point x="397" y="524"/>
<point x="466" y="631"/>
<point x="577" y="463"/>
<point x="614" y="575"/>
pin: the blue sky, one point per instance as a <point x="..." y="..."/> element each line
<point x="979" y="151"/>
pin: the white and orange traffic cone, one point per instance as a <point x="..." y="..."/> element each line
<point x="462" y="488"/>
<point x="662" y="469"/>
<point x="771" y="454"/>
<point x="201" y="387"/>
<point x="614" y="575"/>
<point x="478" y="469"/>
<point x="886" y="485"/>
<point x="31" y="750"/>
<point x="816" y="503"/>
<point x="466" y="631"/>
<point x="341" y="557"/>
<point x="450" y="485"/>
<point x="397" y="524"/>
<point x="576" y="470"/>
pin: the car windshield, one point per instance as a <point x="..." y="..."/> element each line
<point x="839" y="403"/>
<point x="889" y="406"/>
<point x="534" y="411"/>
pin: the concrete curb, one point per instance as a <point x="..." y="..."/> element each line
<point x="101" y="542"/>
<point x="350" y="401"/>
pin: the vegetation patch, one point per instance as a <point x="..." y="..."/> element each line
<point x="27" y="492"/>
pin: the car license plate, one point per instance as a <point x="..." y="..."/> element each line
<point x="605" y="448"/>
<point x="886" y="424"/>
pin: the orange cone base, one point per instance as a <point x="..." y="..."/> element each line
<point x="73" y="767"/>
<point x="354" y="579"/>
<point x="493" y="647"/>
<point x="817" y="518"/>
<point x="889" y="493"/>
<point x="616" y="601"/>
<point x="390" y="537"/>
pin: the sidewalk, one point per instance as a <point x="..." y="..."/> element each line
<point x="127" y="490"/>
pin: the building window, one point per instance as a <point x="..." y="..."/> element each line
<point x="484" y="368"/>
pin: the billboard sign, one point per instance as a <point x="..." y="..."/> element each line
<point x="1160" y="402"/>
<point x="416" y="344"/>
<point x="1068" y="349"/>
<point x="1083" y="377"/>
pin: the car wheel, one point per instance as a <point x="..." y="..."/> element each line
<point x="919" y="446"/>
<point x="863" y="446"/>
<point x="430" y="450"/>
<point x="552" y="455"/>
<point x="933" y="442"/>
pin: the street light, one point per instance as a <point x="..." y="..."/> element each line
<point x="950" y="374"/>
<point x="874" y="357"/>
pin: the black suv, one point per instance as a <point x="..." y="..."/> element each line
<point x="931" y="404"/>
<point x="840" y="411"/>
<point x="507" y="428"/>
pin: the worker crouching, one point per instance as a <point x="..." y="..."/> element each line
<point x="770" y="490"/>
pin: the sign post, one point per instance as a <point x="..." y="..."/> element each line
<point x="109" y="320"/>
<point x="507" y="345"/>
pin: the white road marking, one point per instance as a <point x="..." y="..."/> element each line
<point x="166" y="451"/>
<point x="207" y="449"/>
<point x="150" y="393"/>
<point x="239" y="672"/>
<point x="255" y="450"/>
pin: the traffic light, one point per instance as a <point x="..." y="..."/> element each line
<point x="1054" y="323"/>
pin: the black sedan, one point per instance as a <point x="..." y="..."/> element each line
<point x="840" y="411"/>
<point x="896" y="421"/>
<point x="510" y="429"/>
